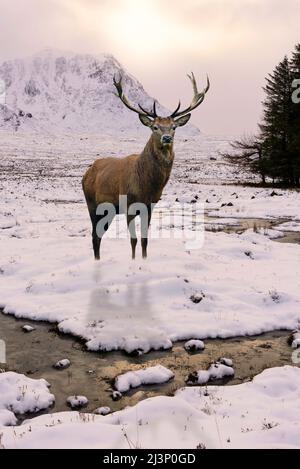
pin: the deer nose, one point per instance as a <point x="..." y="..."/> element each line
<point x="166" y="139"/>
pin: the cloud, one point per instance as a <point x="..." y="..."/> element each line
<point x="237" y="41"/>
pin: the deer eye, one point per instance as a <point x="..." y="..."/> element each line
<point x="174" y="127"/>
<point x="155" y="127"/>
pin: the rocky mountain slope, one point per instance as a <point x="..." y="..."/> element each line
<point x="69" y="93"/>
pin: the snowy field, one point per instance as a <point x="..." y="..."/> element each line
<point x="246" y="284"/>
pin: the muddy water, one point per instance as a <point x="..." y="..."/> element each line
<point x="233" y="225"/>
<point x="290" y="237"/>
<point x="255" y="224"/>
<point x="242" y="224"/>
<point x="92" y="374"/>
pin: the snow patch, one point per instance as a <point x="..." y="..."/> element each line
<point x="152" y="375"/>
<point x="20" y="395"/>
<point x="221" y="369"/>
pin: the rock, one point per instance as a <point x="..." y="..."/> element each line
<point x="273" y="193"/>
<point x="62" y="364"/>
<point x="229" y="204"/>
<point x="249" y="254"/>
<point x="27" y="328"/>
<point x="197" y="298"/>
<point x="192" y="378"/>
<point x="77" y="402"/>
<point x="294" y="339"/>
<point x="102" y="410"/>
<point x="193" y="345"/>
<point x="136" y="352"/>
<point x="225" y="361"/>
<point x="116" y="396"/>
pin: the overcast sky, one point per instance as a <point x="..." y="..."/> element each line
<point x="237" y="42"/>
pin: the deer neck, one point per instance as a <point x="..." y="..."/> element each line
<point x="159" y="156"/>
<point x="154" y="168"/>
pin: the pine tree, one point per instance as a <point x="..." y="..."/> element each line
<point x="276" y="129"/>
<point x="275" y="151"/>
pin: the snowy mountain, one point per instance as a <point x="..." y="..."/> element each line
<point x="69" y="93"/>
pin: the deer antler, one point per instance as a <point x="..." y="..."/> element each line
<point x="197" y="99"/>
<point x="125" y="100"/>
<point x="149" y="113"/>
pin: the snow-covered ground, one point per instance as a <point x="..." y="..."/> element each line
<point x="48" y="271"/>
<point x="263" y="413"/>
<point x="247" y="283"/>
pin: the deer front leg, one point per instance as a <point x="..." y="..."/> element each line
<point x="133" y="238"/>
<point x="144" y="240"/>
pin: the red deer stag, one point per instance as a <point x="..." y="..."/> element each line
<point x="141" y="178"/>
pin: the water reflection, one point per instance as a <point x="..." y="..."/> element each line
<point x="124" y="316"/>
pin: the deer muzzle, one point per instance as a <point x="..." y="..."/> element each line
<point x="166" y="139"/>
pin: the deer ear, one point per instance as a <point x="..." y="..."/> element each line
<point x="145" y="120"/>
<point x="182" y="120"/>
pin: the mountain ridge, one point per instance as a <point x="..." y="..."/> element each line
<point x="54" y="91"/>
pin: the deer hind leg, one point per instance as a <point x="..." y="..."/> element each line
<point x="95" y="239"/>
<point x="144" y="239"/>
<point x="97" y="236"/>
<point x="132" y="231"/>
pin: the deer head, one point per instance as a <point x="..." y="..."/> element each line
<point x="163" y="128"/>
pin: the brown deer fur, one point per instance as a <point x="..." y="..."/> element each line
<point x="141" y="177"/>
